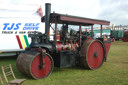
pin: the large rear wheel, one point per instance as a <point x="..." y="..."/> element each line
<point x="93" y="54"/>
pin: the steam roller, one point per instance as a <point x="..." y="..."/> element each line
<point x="68" y="48"/>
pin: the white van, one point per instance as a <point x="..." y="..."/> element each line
<point x="18" y="18"/>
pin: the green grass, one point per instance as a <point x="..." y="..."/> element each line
<point x="112" y="72"/>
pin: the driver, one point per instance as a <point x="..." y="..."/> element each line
<point x="64" y="33"/>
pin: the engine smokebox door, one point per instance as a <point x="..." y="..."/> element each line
<point x="65" y="59"/>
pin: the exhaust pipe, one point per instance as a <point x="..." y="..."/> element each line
<point x="47" y="18"/>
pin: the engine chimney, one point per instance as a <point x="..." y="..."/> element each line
<point x="47" y="18"/>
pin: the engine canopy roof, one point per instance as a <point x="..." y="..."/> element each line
<point x="74" y="20"/>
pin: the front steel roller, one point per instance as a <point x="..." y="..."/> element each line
<point x="34" y="65"/>
<point x="93" y="53"/>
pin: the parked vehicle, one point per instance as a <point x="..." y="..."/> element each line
<point x="17" y="20"/>
<point x="66" y="49"/>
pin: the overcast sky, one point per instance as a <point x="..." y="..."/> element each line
<point x="114" y="11"/>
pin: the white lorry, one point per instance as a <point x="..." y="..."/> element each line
<point x="18" y="18"/>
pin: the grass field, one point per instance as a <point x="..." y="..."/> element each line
<point x="112" y="72"/>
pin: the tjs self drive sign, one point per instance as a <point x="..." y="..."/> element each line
<point x="13" y="28"/>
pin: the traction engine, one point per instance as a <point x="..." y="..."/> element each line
<point x="66" y="50"/>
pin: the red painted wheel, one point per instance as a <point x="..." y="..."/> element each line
<point x="93" y="53"/>
<point x="34" y="65"/>
<point x="44" y="70"/>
